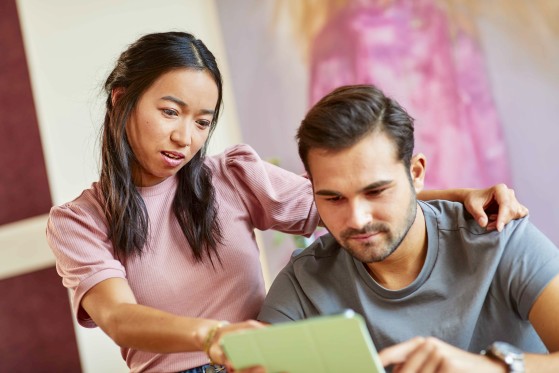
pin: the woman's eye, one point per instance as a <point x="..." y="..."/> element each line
<point x="170" y="112"/>
<point x="204" y="123"/>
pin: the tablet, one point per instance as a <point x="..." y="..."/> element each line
<point x="329" y="344"/>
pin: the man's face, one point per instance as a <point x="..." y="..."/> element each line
<point x="365" y="196"/>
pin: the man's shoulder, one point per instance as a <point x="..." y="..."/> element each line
<point x="446" y="209"/>
<point x="451" y="216"/>
<point x="457" y="228"/>
<point x="325" y="251"/>
<point x="324" y="246"/>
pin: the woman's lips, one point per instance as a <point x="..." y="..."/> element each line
<point x="172" y="159"/>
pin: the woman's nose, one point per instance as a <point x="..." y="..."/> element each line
<point x="182" y="134"/>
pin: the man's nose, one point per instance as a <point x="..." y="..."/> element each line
<point x="360" y="214"/>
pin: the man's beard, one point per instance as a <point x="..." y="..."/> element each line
<point x="377" y="252"/>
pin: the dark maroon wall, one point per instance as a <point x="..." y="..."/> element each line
<point x="36" y="330"/>
<point x="24" y="190"/>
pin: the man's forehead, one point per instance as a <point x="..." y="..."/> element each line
<point x="353" y="170"/>
<point x="370" y="152"/>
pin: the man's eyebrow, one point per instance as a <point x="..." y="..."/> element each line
<point x="332" y="193"/>
<point x="327" y="193"/>
<point x="377" y="184"/>
<point x="183" y="104"/>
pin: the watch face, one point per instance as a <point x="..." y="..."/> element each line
<point x="503" y="348"/>
<point x="509" y="354"/>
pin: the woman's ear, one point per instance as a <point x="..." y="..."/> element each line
<point x="116" y="94"/>
<point x="417" y="171"/>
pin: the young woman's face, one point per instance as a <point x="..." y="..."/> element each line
<point x="170" y="123"/>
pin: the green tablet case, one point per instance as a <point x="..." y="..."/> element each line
<point x="328" y="344"/>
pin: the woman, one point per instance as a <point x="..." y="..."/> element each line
<point x="160" y="251"/>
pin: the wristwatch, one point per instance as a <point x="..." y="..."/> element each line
<point x="512" y="356"/>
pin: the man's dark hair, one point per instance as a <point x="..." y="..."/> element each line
<point x="349" y="113"/>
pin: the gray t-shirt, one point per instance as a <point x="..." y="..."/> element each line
<point x="475" y="287"/>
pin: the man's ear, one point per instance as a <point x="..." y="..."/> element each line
<point x="417" y="171"/>
<point x="116" y="94"/>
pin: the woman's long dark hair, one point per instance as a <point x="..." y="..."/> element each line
<point x="194" y="203"/>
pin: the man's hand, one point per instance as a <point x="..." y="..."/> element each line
<point x="494" y="207"/>
<point x="429" y="355"/>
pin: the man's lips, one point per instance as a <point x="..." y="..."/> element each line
<point x="363" y="236"/>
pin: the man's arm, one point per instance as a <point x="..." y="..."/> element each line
<point x="433" y="355"/>
<point x="430" y="354"/>
<point x="543" y="317"/>
<point x="491" y="207"/>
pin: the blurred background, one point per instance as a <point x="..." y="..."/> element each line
<point x="481" y="78"/>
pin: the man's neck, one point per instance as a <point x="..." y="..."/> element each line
<point x="403" y="266"/>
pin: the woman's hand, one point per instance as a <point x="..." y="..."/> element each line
<point x="494" y="207"/>
<point x="216" y="353"/>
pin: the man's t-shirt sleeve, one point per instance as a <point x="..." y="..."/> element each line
<point x="529" y="263"/>
<point x="285" y="300"/>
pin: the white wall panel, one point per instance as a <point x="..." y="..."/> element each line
<point x="71" y="45"/>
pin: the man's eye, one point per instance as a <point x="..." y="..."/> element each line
<point x="334" y="199"/>
<point x="375" y="192"/>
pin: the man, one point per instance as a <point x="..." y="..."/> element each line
<point x="413" y="268"/>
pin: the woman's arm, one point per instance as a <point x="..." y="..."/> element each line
<point x="492" y="207"/>
<point x="113" y="307"/>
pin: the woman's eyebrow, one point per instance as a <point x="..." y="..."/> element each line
<point x="174" y="99"/>
<point x="183" y="104"/>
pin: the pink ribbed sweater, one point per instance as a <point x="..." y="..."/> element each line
<point x="251" y="194"/>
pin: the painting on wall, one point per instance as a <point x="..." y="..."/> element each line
<point x="449" y="64"/>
